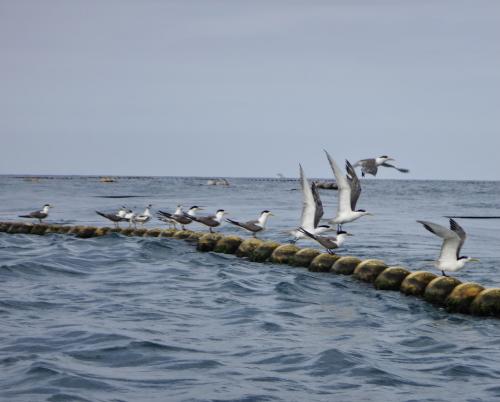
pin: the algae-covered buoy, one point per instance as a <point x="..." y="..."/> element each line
<point x="345" y="265"/>
<point x="182" y="234"/>
<point x="20" y="228"/>
<point x="368" y="270"/>
<point x="168" y="232"/>
<point x="127" y="231"/>
<point x="228" y="244"/>
<point x="415" y="283"/>
<point x="487" y="303"/>
<point x="153" y="233"/>
<point x="284" y="254"/>
<point x="439" y="288"/>
<point x="39" y="229"/>
<point x="102" y="231"/>
<point x="263" y="251"/>
<point x="304" y="257"/>
<point x="208" y="241"/>
<point x="247" y="247"/>
<point x="460" y="299"/>
<point x="85" y="232"/>
<point x="391" y="278"/>
<point x="323" y="262"/>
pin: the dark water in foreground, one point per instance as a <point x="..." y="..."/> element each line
<point x="147" y="319"/>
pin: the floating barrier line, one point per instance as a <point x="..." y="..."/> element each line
<point x="442" y="291"/>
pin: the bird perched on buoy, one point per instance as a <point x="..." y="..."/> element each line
<point x="179" y="216"/>
<point x="453" y="239"/>
<point x="212" y="221"/>
<point x="253" y="226"/>
<point x="312" y="210"/>
<point x="144" y="217"/>
<point x="115" y="218"/>
<point x="40" y="215"/>
<point x="330" y="243"/>
<point x="349" y="190"/>
<point x="370" y="166"/>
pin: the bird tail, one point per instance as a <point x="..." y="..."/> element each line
<point x="101" y="213"/>
<point x="308" y="234"/>
<point x="233" y="222"/>
<point x="24" y="216"/>
<point x="165" y="214"/>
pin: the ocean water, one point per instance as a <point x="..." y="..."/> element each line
<point x="149" y="319"/>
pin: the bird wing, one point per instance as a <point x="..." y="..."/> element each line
<point x="385" y="164"/>
<point x="452" y="241"/>
<point x="111" y="217"/>
<point x="353" y="180"/>
<point x="344" y="188"/>
<point x="307" y="218"/>
<point x="368" y="166"/>
<point x="318" y="205"/>
<point x="165" y="214"/>
<point x="252" y="226"/>
<point x="461" y="234"/>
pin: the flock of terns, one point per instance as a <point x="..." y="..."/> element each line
<point x="349" y="191"/>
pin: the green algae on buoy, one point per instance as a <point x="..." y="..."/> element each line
<point x="21" y="228"/>
<point x="415" y="283"/>
<point x="102" y="231"/>
<point x="85" y="232"/>
<point x="487" y="303"/>
<point x="127" y="231"/>
<point x="304" y="257"/>
<point x="368" y="270"/>
<point x="228" y="244"/>
<point x="152" y="233"/>
<point x="264" y="251"/>
<point x="323" y="262"/>
<point x="139" y="232"/>
<point x="247" y="247"/>
<point x="4" y="226"/>
<point x="168" y="232"/>
<point x="208" y="241"/>
<point x="195" y="236"/>
<point x="439" y="289"/>
<point x="460" y="299"/>
<point x="391" y="278"/>
<point x="39" y="229"/>
<point x="345" y="265"/>
<point x="284" y="254"/>
<point x="183" y="234"/>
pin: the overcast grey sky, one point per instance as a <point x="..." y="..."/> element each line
<point x="249" y="88"/>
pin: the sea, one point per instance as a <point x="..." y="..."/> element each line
<point x="120" y="318"/>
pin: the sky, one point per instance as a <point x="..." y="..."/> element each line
<point x="249" y="88"/>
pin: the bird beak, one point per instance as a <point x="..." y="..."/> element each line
<point x="349" y="234"/>
<point x="474" y="260"/>
<point x="270" y="214"/>
<point x="369" y="214"/>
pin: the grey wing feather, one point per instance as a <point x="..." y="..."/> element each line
<point x="368" y="166"/>
<point x="461" y="234"/>
<point x="385" y="164"/>
<point x="319" y="205"/>
<point x="354" y="183"/>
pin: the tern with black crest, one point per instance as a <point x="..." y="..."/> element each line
<point x="179" y="216"/>
<point x="453" y="239"/>
<point x="254" y="226"/>
<point x="40" y="215"/>
<point x="370" y="166"/>
<point x="115" y="218"/>
<point x="144" y="217"/>
<point x="349" y="190"/>
<point x="212" y="221"/>
<point x="330" y="243"/>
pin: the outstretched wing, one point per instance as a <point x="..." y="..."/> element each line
<point x="354" y="183"/>
<point x="368" y="166"/>
<point x="454" y="226"/>
<point x="452" y="241"/>
<point x="318" y="205"/>
<point x="307" y="219"/>
<point x="344" y="188"/>
<point x="402" y="170"/>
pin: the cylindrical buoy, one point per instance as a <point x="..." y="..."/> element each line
<point x="323" y="262"/>
<point x="228" y="244"/>
<point x="460" y="299"/>
<point x="368" y="270"/>
<point x="182" y="234"/>
<point x="391" y="278"/>
<point x="345" y="265"/>
<point x="195" y="236"/>
<point x="304" y="257"/>
<point x="39" y="229"/>
<point x="284" y="254"/>
<point x="153" y="233"/>
<point x="102" y="231"/>
<point x="168" y="233"/>
<point x="21" y="229"/>
<point x="247" y="247"/>
<point x="439" y="288"/>
<point x="4" y="226"/>
<point x="487" y="303"/>
<point x="208" y="241"/>
<point x="415" y="283"/>
<point x="264" y="251"/>
<point x="127" y="231"/>
<point x="140" y="232"/>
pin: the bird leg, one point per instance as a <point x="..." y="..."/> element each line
<point x="210" y="230"/>
<point x="444" y="273"/>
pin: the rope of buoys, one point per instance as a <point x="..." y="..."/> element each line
<point x="442" y="291"/>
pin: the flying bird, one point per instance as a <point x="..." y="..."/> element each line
<point x="453" y="240"/>
<point x="254" y="226"/>
<point x="349" y="190"/>
<point x="41" y="214"/>
<point x="328" y="242"/>
<point x="312" y="209"/>
<point x="212" y="221"/>
<point x="370" y="166"/>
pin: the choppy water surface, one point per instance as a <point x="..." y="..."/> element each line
<point x="148" y="319"/>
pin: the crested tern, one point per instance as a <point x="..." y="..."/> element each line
<point x="312" y="209"/>
<point x="453" y="240"/>
<point x="349" y="189"/>
<point x="144" y="217"/>
<point x="41" y="214"/>
<point x="328" y="242"/>
<point x="179" y="216"/>
<point x="253" y="226"/>
<point x="370" y="166"/>
<point x="212" y="221"/>
<point x="115" y="218"/>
